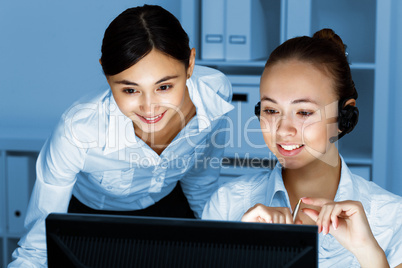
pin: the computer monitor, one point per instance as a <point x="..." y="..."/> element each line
<point x="83" y="240"/>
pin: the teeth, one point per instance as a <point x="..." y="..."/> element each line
<point x="291" y="147"/>
<point x="152" y="118"/>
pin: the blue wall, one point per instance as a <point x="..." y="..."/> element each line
<point x="49" y="56"/>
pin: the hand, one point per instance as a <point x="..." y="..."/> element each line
<point x="348" y="223"/>
<point x="261" y="213"/>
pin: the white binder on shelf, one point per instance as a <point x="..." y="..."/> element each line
<point x="20" y="180"/>
<point x="246" y="30"/>
<point x="213" y="29"/>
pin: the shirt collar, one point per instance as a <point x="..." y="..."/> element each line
<point x="208" y="103"/>
<point x="347" y="189"/>
<point x="276" y="185"/>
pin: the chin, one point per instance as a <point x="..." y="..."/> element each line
<point x="294" y="162"/>
<point x="291" y="164"/>
<point x="151" y="128"/>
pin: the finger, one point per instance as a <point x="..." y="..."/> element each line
<point x="312" y="213"/>
<point x="315" y="201"/>
<point x="336" y="213"/>
<point x="282" y="219"/>
<point x="264" y="216"/>
<point x="252" y="215"/>
<point x="324" y="218"/>
<point x="289" y="217"/>
<point x="277" y="218"/>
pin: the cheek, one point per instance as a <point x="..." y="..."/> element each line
<point x="266" y="127"/>
<point x="316" y="136"/>
<point x="126" y="105"/>
<point x="174" y="99"/>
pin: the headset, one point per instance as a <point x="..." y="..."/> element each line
<point x="348" y="116"/>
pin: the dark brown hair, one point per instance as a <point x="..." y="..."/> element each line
<point x="327" y="51"/>
<point x="136" y="31"/>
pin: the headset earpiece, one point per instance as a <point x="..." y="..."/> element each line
<point x="348" y="116"/>
<point x="257" y="110"/>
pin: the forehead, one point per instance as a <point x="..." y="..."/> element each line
<point x="294" y="79"/>
<point x="152" y="66"/>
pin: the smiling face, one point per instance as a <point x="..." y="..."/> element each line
<point x="153" y="91"/>
<point x="298" y="112"/>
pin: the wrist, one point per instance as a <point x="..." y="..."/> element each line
<point x="371" y="256"/>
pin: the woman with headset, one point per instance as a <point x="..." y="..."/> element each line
<point x="308" y="101"/>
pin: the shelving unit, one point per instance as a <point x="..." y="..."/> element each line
<point x="18" y="152"/>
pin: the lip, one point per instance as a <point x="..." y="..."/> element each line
<point x="153" y="121"/>
<point x="291" y="152"/>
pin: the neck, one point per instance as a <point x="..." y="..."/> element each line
<point x="317" y="179"/>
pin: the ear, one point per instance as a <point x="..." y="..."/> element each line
<point x="100" y="62"/>
<point x="191" y="63"/>
<point x="351" y="102"/>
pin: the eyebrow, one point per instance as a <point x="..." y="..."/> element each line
<point x="130" y="83"/>
<point x="306" y="100"/>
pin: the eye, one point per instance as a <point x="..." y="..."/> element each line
<point x="270" y="111"/>
<point x="305" y="113"/>
<point x="165" y="87"/>
<point x="130" y="90"/>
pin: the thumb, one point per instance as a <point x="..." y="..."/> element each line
<point x="313" y="214"/>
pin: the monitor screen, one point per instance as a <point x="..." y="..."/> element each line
<point x="84" y="240"/>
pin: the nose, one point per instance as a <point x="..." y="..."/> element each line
<point x="285" y="127"/>
<point x="149" y="105"/>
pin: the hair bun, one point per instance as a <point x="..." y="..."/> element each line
<point x="330" y="35"/>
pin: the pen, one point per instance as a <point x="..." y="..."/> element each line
<point x="296" y="210"/>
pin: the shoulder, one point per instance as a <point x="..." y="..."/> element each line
<point x="383" y="207"/>
<point x="375" y="195"/>
<point x="214" y="79"/>
<point x="371" y="191"/>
